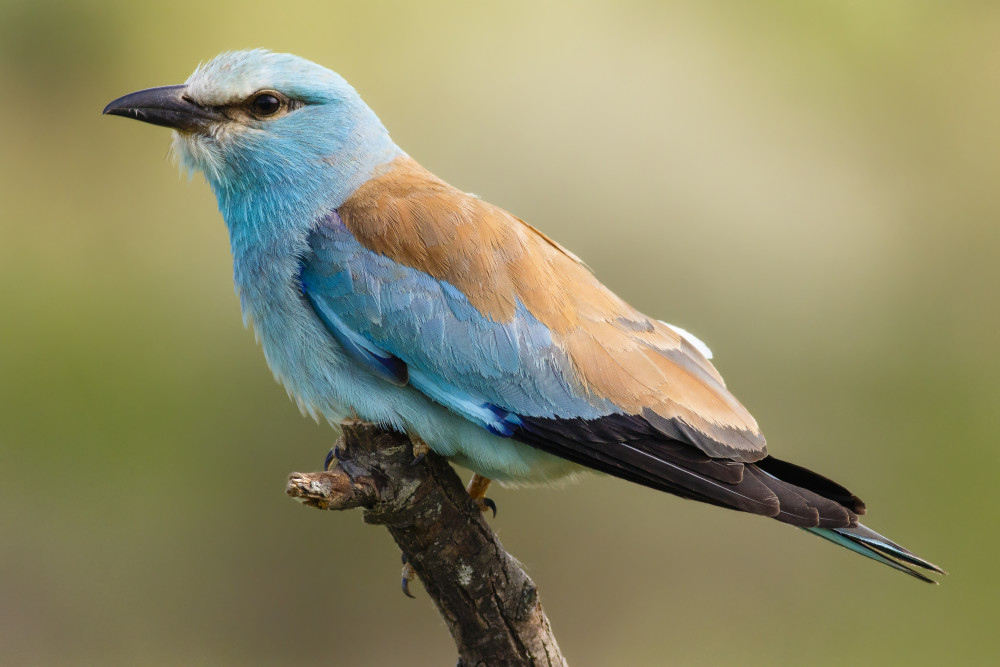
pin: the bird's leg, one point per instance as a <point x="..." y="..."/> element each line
<point x="477" y="490"/>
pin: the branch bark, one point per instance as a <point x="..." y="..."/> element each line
<point x="490" y="605"/>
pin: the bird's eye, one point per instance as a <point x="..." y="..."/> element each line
<point x="265" y="104"/>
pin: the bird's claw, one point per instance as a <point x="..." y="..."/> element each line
<point x="477" y="491"/>
<point x="408" y="575"/>
<point x="486" y="504"/>
<point x="420" y="450"/>
<point x="335" y="453"/>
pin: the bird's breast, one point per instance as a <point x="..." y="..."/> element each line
<point x="299" y="351"/>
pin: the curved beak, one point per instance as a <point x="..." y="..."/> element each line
<point x="167" y="106"/>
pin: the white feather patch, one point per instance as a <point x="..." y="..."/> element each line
<point x="691" y="338"/>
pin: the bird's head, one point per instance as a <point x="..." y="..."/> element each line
<point x="268" y="124"/>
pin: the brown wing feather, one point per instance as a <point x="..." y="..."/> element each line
<point x="497" y="260"/>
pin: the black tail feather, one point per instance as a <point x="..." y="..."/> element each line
<point x="770" y="486"/>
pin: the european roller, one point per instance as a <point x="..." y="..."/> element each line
<point x="379" y="291"/>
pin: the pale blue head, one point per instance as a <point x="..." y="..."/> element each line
<point x="273" y="133"/>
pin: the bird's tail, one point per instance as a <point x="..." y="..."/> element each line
<point x="867" y="542"/>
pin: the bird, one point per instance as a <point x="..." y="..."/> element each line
<point x="379" y="291"/>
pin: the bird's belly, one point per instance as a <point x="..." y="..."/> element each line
<point x="327" y="382"/>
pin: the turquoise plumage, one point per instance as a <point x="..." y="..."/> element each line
<point x="378" y="290"/>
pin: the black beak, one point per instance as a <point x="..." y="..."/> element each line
<point x="167" y="106"/>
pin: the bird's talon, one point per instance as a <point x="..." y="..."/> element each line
<point x="328" y="460"/>
<point x="487" y="504"/>
<point x="406" y="589"/>
<point x="420" y="449"/>
<point x="408" y="574"/>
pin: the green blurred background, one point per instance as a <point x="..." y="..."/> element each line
<point x="810" y="187"/>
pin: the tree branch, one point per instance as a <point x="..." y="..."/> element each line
<point x="490" y="605"/>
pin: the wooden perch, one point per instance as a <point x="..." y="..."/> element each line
<point x="490" y="605"/>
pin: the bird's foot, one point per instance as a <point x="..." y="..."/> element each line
<point x="477" y="491"/>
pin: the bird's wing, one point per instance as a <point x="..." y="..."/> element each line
<point x="485" y="311"/>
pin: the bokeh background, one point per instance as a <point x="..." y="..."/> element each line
<point x="809" y="187"/>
